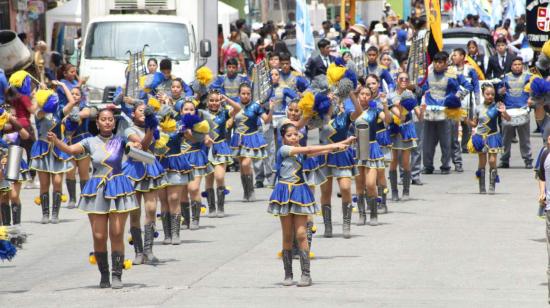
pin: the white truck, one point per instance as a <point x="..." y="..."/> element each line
<point x="169" y="27"/>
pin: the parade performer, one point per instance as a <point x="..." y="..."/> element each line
<point x="147" y="180"/>
<point x="229" y="83"/>
<point x="382" y="72"/>
<point x="46" y="158"/>
<point x="219" y="152"/>
<point x="289" y="77"/>
<point x="68" y="76"/>
<point x="403" y="134"/>
<point x="293" y="201"/>
<point x="80" y="129"/>
<point x="487" y="141"/>
<point x="247" y="141"/>
<point x="108" y="196"/>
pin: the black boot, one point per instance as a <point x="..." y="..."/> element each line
<point x="309" y="234"/>
<point x="287" y="263"/>
<point x="327" y="219"/>
<point x="71" y="190"/>
<point x="493" y="175"/>
<point x="196" y="214"/>
<point x="245" y="187"/>
<point x="362" y="212"/>
<point x="371" y="203"/>
<point x="211" y="200"/>
<point x="148" y="238"/>
<point x="220" y="192"/>
<point x="175" y="225"/>
<point x="16" y="213"/>
<point x="137" y="242"/>
<point x="346" y="217"/>
<point x="481" y="179"/>
<point x="186" y="215"/>
<point x="305" y="281"/>
<point x="406" y="184"/>
<point x="383" y="199"/>
<point x="166" y="227"/>
<point x="45" y="204"/>
<point x="116" y="271"/>
<point x="6" y="214"/>
<point x="393" y="185"/>
<point x="250" y="185"/>
<point x="102" y="261"/>
<point x="56" y="206"/>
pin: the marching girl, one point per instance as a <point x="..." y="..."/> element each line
<point x="369" y="170"/>
<point x="487" y="141"/>
<point x="147" y="179"/>
<point x="247" y="141"/>
<point x="80" y="114"/>
<point x="293" y="201"/>
<point x="47" y="159"/>
<point x="108" y="196"/>
<point x="221" y="155"/>
<point x="67" y="75"/>
<point x="403" y="134"/>
<point x="338" y="164"/>
<point x="195" y="131"/>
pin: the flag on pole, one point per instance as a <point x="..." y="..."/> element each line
<point x="433" y="14"/>
<point x="496" y="13"/>
<point x="305" y="44"/>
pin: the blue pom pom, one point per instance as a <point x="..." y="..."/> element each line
<point x="497" y="180"/>
<point x="51" y="104"/>
<point x="372" y="104"/>
<point x="7" y="250"/>
<point x="301" y="84"/>
<point x="478" y="142"/>
<point x="2" y="111"/>
<point x="350" y="74"/>
<point x="452" y="101"/>
<point x="204" y="194"/>
<point x="25" y="88"/>
<point x="158" y="78"/>
<point x="226" y="192"/>
<point x="189" y="120"/>
<point x="408" y="103"/>
<point x="70" y="126"/>
<point x="394" y="129"/>
<point x="478" y="173"/>
<point x="321" y="104"/>
<point x="539" y="87"/>
<point x="354" y="198"/>
<point x="156" y="234"/>
<point x="339" y="61"/>
<point x="158" y="214"/>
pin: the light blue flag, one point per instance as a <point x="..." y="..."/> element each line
<point x="483" y="14"/>
<point x="496" y="14"/>
<point x="305" y="44"/>
<point x="511" y="13"/>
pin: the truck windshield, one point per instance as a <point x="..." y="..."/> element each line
<point x="111" y="40"/>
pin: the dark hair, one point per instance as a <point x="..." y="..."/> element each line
<point x="244" y="85"/>
<point x="323" y="43"/>
<point x="284" y="56"/>
<point x="240" y="23"/>
<point x="152" y="60"/>
<point x="179" y="80"/>
<point x="284" y="128"/>
<point x="501" y="40"/>
<point x="273" y="54"/>
<point x="461" y="51"/>
<point x="517" y="59"/>
<point x="441" y="56"/>
<point x="165" y="64"/>
<point x="372" y="76"/>
<point x="372" y="48"/>
<point x="486" y="86"/>
<point x="22" y="36"/>
<point x="232" y="61"/>
<point x="63" y="69"/>
<point x="326" y="22"/>
<point x="346" y="53"/>
<point x="103" y="110"/>
<point x="471" y="42"/>
<point x="56" y="58"/>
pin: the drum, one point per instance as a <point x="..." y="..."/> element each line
<point x="519" y="116"/>
<point x="435" y="113"/>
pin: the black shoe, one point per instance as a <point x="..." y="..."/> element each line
<point x="515" y="140"/>
<point x="465" y="151"/>
<point x="459" y="169"/>
<point x="504" y="165"/>
<point x="529" y="165"/>
<point x="417" y="182"/>
<point x="339" y="195"/>
<point x="536" y="131"/>
<point x="445" y="171"/>
<point x="427" y="171"/>
<point x="259" y="184"/>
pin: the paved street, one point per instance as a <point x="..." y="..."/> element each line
<point x="448" y="247"/>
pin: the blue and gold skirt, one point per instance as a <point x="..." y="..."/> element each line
<point x="339" y="164"/>
<point x="312" y="172"/>
<point x="178" y="170"/>
<point x="198" y="161"/>
<point x="145" y="177"/>
<point x="220" y="153"/>
<point x="376" y="157"/>
<point x="289" y="198"/>
<point x="47" y="158"/>
<point x="249" y="145"/>
<point x="102" y="195"/>
<point x="406" y="137"/>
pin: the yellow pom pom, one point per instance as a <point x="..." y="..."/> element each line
<point x="335" y="73"/>
<point x="4" y="119"/>
<point x="127" y="264"/>
<point x="42" y="96"/>
<point x="311" y="255"/>
<point x="142" y="83"/>
<point x="280" y="254"/>
<point x="396" y="119"/>
<point x="354" y="210"/>
<point x="37" y="201"/>
<point x="17" y="78"/>
<point x="455" y="114"/>
<point x="130" y="240"/>
<point x="202" y="127"/>
<point x="64" y="198"/>
<point x="168" y="125"/>
<point x="92" y="259"/>
<point x="162" y="141"/>
<point x="306" y="104"/>
<point x="3" y="233"/>
<point x="314" y="229"/>
<point x="204" y="75"/>
<point x="203" y="210"/>
<point x="153" y="102"/>
<point x="546" y="48"/>
<point x="470" y="147"/>
<point x="196" y="103"/>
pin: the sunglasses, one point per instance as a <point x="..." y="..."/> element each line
<point x="403" y="79"/>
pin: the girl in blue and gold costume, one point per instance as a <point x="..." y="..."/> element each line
<point x="147" y="180"/>
<point x="292" y="200"/>
<point x="108" y="196"/>
<point x="195" y="129"/>
<point x="220" y="153"/>
<point x="247" y="141"/>
<point x="365" y="182"/>
<point x="48" y="160"/>
<point x="338" y="164"/>
<point x="487" y="141"/>
<point x="80" y="118"/>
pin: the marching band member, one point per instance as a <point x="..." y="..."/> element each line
<point x="293" y="201"/>
<point x="289" y="77"/>
<point x="247" y="141"/>
<point x="487" y="141"/>
<point x="229" y="83"/>
<point x="372" y="67"/>
<point x="68" y="76"/>
<point x="220" y="153"/>
<point x="108" y="196"/>
<point x="47" y="159"/>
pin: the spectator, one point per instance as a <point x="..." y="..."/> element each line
<point x="326" y="29"/>
<point x="318" y="65"/>
<point x="231" y="49"/>
<point x="245" y="42"/>
<point x="380" y="38"/>
<point x="501" y="62"/>
<point x="473" y="52"/>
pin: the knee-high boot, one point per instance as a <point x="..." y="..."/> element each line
<point x="362" y="212"/>
<point x="346" y="217"/>
<point x="166" y="227"/>
<point x="406" y="184"/>
<point x="138" y="245"/>
<point x="220" y="192"/>
<point x="148" y="238"/>
<point x="327" y="219"/>
<point x="371" y="202"/>
<point x="186" y="215"/>
<point x="393" y="184"/>
<point x="382" y="193"/>
<point x="6" y="214"/>
<point x="16" y="213"/>
<point x="287" y="264"/>
<point x="56" y="206"/>
<point x="480" y="174"/>
<point x="71" y="190"/>
<point x="45" y="204"/>
<point x="102" y="260"/>
<point x="175" y="226"/>
<point x="196" y="214"/>
<point x="211" y="200"/>
<point x="493" y="180"/>
<point x="116" y="270"/>
<point x="305" y="281"/>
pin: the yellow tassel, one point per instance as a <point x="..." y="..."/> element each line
<point x="4" y="119"/>
<point x="202" y="127"/>
<point x="37" y="201"/>
<point x="142" y="83"/>
<point x="3" y="233"/>
<point x="64" y="198"/>
<point x="130" y="240"/>
<point x="204" y="75"/>
<point x="306" y="104"/>
<point x="455" y="114"/>
<point x="335" y="73"/>
<point x="162" y="141"/>
<point x="280" y="254"/>
<point x="314" y="229"/>
<point x="17" y="78"/>
<point x="396" y="119"/>
<point x="196" y="103"/>
<point x="546" y="48"/>
<point x="203" y="210"/>
<point x="127" y="264"/>
<point x="153" y="102"/>
<point x="527" y="87"/>
<point x="470" y="147"/>
<point x="311" y="255"/>
<point x="168" y="125"/>
<point x="42" y="96"/>
<point x="92" y="259"/>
